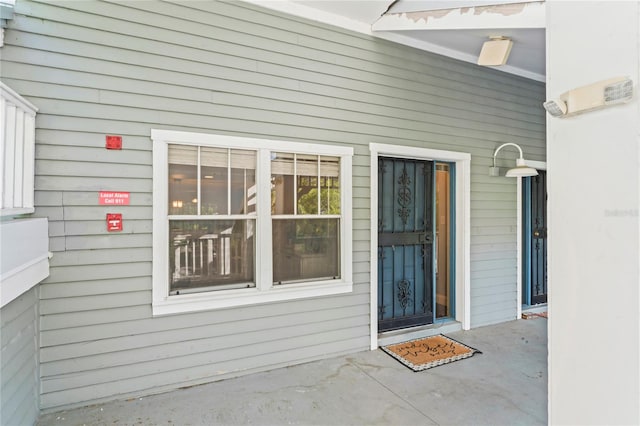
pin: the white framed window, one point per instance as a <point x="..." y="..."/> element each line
<point x="240" y="221"/>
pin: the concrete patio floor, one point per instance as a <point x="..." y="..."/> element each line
<point x="505" y="385"/>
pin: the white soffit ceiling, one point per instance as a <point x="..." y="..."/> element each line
<point x="454" y="28"/>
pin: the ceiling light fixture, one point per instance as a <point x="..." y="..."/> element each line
<point x="495" y="52"/>
<point x="521" y="169"/>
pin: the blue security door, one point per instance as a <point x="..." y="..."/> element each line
<point x="405" y="243"/>
<point x="534" y="228"/>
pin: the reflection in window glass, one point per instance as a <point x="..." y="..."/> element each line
<point x="214" y="167"/>
<point x="210" y="255"/>
<point x="243" y="182"/>
<point x="282" y="173"/>
<point x="329" y="185"/>
<point x="183" y="179"/>
<point x="307" y="184"/>
<point x="305" y="249"/>
<point x="313" y="187"/>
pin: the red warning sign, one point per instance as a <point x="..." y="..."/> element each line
<point x="111" y="198"/>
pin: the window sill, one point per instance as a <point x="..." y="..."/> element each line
<point x="244" y="297"/>
<point x="25" y="256"/>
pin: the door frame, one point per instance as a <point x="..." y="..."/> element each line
<point x="462" y="225"/>
<point x="538" y="165"/>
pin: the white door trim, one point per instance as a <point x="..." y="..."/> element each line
<point x="462" y="225"/>
<point x="539" y="165"/>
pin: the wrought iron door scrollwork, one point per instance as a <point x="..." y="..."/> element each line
<point x="404" y="293"/>
<point x="404" y="196"/>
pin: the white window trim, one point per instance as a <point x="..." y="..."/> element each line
<point x="462" y="225"/>
<point x="264" y="292"/>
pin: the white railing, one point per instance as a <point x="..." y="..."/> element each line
<point x="17" y="156"/>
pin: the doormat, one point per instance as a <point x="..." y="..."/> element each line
<point x="529" y="315"/>
<point x="422" y="354"/>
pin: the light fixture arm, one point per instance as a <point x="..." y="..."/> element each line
<point x="519" y="161"/>
<point x="521" y="169"/>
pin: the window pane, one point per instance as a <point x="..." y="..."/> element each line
<point x="307" y="178"/>
<point x="282" y="183"/>
<point x="183" y="163"/>
<point x="329" y="185"/>
<point x="210" y="255"/>
<point x="215" y="181"/>
<point x="243" y="182"/>
<point x="305" y="249"/>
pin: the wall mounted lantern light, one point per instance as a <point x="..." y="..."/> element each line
<point x="521" y="169"/>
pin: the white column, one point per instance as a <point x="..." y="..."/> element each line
<point x="594" y="245"/>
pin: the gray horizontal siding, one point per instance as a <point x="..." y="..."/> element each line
<point x="202" y="340"/>
<point x="96" y="68"/>
<point x="220" y="365"/>
<point x="19" y="390"/>
<point x="185" y="323"/>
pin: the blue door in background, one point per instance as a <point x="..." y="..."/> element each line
<point x="405" y="243"/>
<point x="534" y="215"/>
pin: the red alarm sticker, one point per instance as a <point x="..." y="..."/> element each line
<point x="114" y="222"/>
<point x="113" y="142"/>
<point x="113" y="198"/>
